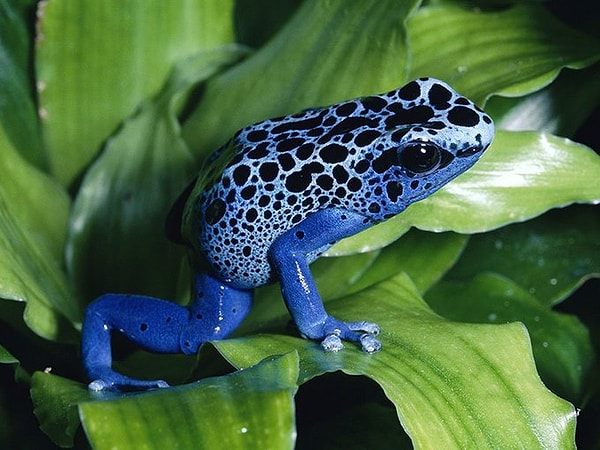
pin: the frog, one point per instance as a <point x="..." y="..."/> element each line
<point x="272" y="200"/>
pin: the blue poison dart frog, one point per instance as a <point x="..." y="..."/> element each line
<point x="274" y="198"/>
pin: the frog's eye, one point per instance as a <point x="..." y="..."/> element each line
<point x="420" y="157"/>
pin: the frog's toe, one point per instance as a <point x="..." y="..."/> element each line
<point x="99" y="385"/>
<point x="367" y="327"/>
<point x="369" y="344"/>
<point x="332" y="343"/>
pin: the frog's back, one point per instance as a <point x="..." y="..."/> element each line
<point x="274" y="174"/>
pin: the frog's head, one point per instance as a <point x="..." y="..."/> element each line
<point x="446" y="135"/>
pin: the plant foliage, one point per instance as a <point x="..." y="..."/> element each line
<point x="107" y="110"/>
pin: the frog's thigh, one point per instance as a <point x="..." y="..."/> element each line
<point x="153" y="323"/>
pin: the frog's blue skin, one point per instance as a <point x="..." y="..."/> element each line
<point x="279" y="194"/>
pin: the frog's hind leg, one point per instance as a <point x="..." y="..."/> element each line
<point x="149" y="322"/>
<point x="159" y="326"/>
<point x="288" y="255"/>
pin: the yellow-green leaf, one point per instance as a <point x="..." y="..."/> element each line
<point x="249" y="409"/>
<point x="511" y="52"/>
<point x="454" y="385"/>
<point x="97" y="60"/>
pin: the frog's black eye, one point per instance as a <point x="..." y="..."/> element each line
<point x="420" y="157"/>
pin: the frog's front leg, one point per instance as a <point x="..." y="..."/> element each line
<point x="158" y="325"/>
<point x="288" y="254"/>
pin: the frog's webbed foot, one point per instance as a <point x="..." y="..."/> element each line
<point x="333" y="332"/>
<point x="363" y="332"/>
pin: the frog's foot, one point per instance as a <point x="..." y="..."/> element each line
<point x="336" y="331"/>
<point x="109" y="380"/>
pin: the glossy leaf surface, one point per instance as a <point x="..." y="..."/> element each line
<point x="439" y="374"/>
<point x="18" y="113"/>
<point x="549" y="257"/>
<point x="250" y="409"/>
<point x="511" y="52"/>
<point x="561" y="344"/>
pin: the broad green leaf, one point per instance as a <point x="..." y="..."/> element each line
<point x="549" y="257"/>
<point x="522" y="175"/>
<point x="559" y="108"/>
<point x="55" y="402"/>
<point x="33" y="218"/>
<point x="91" y="76"/>
<point x="511" y="52"/>
<point x="249" y="409"/>
<point x="561" y="344"/>
<point x="18" y="114"/>
<point x="425" y="257"/>
<point x="117" y="241"/>
<point x="314" y="60"/>
<point x="453" y="384"/>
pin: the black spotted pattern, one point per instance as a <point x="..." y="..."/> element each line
<point x="348" y="155"/>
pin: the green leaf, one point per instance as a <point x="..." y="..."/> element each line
<point x="6" y="357"/>
<point x="33" y="218"/>
<point x="522" y="175"/>
<point x="511" y="52"/>
<point x="117" y="240"/>
<point x="560" y="108"/>
<point x="55" y="402"/>
<point x="561" y="344"/>
<point x="453" y="384"/>
<point x="18" y="113"/>
<point x="424" y="257"/>
<point x="314" y="60"/>
<point x="91" y="76"/>
<point x="249" y="409"/>
<point x="549" y="257"/>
